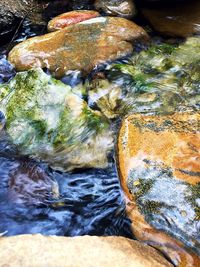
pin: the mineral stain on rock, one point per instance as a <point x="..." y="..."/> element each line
<point x="159" y="165"/>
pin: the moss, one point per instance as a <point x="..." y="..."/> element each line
<point x="44" y="117"/>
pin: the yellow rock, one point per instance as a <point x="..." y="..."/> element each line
<point x="159" y="165"/>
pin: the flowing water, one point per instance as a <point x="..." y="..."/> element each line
<point x="35" y="198"/>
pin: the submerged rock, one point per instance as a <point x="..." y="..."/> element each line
<point x="78" y="47"/>
<point x="38" y="250"/>
<point x="70" y="18"/>
<point x="159" y="165"/>
<point x="46" y="120"/>
<point x="181" y="19"/>
<point x="122" y="8"/>
<point x="162" y="79"/>
<point x="30" y="184"/>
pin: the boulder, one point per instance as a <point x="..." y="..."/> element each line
<point x="78" y="47"/>
<point x="121" y="8"/>
<point x="181" y="19"/>
<point x="159" y="165"/>
<point x="85" y="251"/>
<point x="70" y="18"/>
<point x="46" y="120"/>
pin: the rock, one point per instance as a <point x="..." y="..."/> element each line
<point x="122" y="8"/>
<point x="45" y="119"/>
<point x="30" y="184"/>
<point x="54" y="251"/>
<point x="162" y="79"/>
<point x="159" y="166"/>
<point x="78" y="47"/>
<point x="12" y="9"/>
<point x="70" y="18"/>
<point x="175" y="19"/>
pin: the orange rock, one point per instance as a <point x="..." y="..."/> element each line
<point x="78" y="47"/>
<point x="159" y="164"/>
<point x="70" y="18"/>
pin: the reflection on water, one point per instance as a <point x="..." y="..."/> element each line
<point x="89" y="202"/>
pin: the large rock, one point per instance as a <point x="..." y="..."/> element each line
<point x="85" y="251"/>
<point x="175" y="19"/>
<point x="159" y="165"/>
<point x="45" y="119"/>
<point x="161" y="79"/>
<point x="78" y="47"/>
<point x="122" y="8"/>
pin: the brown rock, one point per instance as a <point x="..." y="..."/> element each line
<point x="122" y="8"/>
<point x="175" y="19"/>
<point x="78" y="47"/>
<point x="85" y="251"/>
<point x="70" y="18"/>
<point x="159" y="164"/>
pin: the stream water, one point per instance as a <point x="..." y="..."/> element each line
<point x="160" y="80"/>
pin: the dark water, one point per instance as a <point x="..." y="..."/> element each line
<point x="89" y="202"/>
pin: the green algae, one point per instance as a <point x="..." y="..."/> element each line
<point x="45" y="119"/>
<point x="162" y="79"/>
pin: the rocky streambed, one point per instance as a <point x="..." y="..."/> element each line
<point x="100" y="133"/>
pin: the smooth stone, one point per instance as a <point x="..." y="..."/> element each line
<point x="175" y="19"/>
<point x="29" y="184"/>
<point x="70" y="18"/>
<point x="84" y="251"/>
<point x="122" y="8"/>
<point x="159" y="166"/>
<point x="78" y="47"/>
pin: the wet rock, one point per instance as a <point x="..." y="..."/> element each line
<point x="70" y="18"/>
<point x="159" y="165"/>
<point x="78" y="47"/>
<point x="175" y="19"/>
<point x="36" y="250"/>
<point x="161" y="79"/>
<point x="122" y="8"/>
<point x="45" y="119"/>
<point x="10" y="10"/>
<point x="29" y="184"/>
